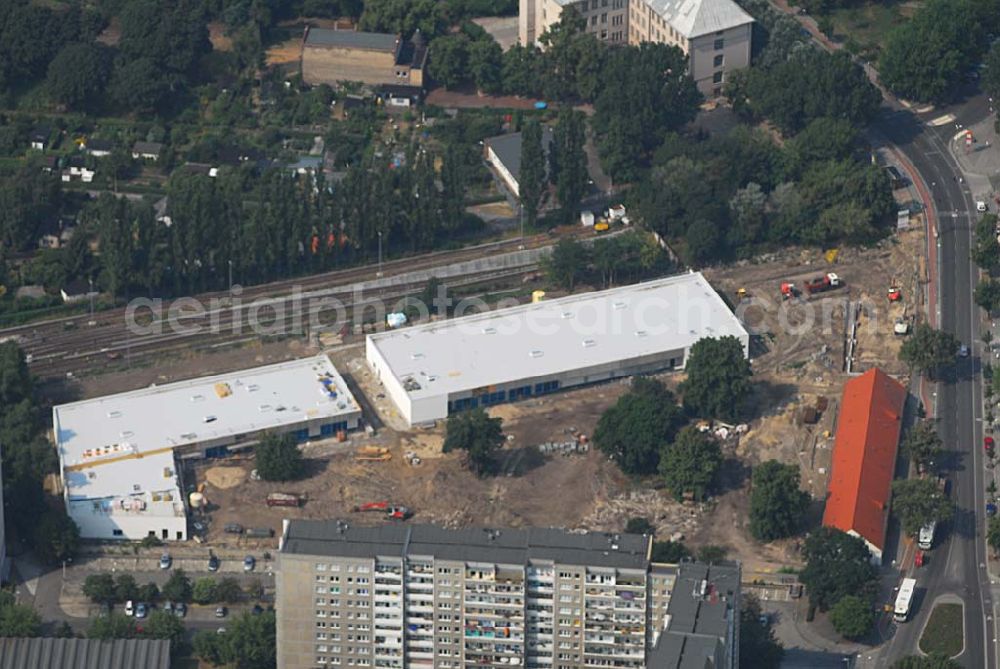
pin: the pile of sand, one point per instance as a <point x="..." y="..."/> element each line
<point x="224" y="478"/>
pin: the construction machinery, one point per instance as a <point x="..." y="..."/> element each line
<point x="788" y="291"/>
<point x="742" y="294"/>
<point x="895" y="294"/>
<point x="372" y="454"/>
<point x="391" y="511"/>
<point x="285" y="499"/>
<point x="821" y="284"/>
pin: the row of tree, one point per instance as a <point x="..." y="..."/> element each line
<point x="108" y="590"/>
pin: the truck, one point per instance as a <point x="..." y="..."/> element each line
<point x="925" y="538"/>
<point x="285" y="499"/>
<point x="904" y="600"/>
<point x="259" y="533"/>
<point x="821" y="284"/>
<point x="393" y="512"/>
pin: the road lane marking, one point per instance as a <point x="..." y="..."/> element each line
<point x="941" y="120"/>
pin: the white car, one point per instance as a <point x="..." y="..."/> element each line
<point x="980" y="206"/>
<point x="129" y="608"/>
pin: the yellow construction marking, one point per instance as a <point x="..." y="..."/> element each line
<point x="117" y="458"/>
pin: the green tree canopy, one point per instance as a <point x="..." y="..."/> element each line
<point x="164" y="625"/>
<point x="932" y="661"/>
<point x="927" y="348"/>
<point x="178" y="587"/>
<point x="923" y="445"/>
<point x="690" y="463"/>
<point x="479" y="435"/>
<point x="113" y="625"/>
<point x="405" y="16"/>
<point x="837" y="564"/>
<point x="228" y="590"/>
<point x="993" y="534"/>
<point x="852" y="617"/>
<point x="449" y="59"/>
<point x="987" y="295"/>
<point x="249" y="643"/>
<point x="78" y="74"/>
<point x="486" y="65"/>
<point x="777" y="504"/>
<point x="639" y="525"/>
<point x="126" y="588"/>
<point x="718" y="379"/>
<point x="918" y="502"/>
<point x="570" y="160"/>
<point x="100" y="588"/>
<point x="204" y="590"/>
<point x="532" y="180"/>
<point x="567" y="263"/>
<point x="18" y="620"/>
<point x="641" y="423"/>
<point x="757" y="641"/>
<point x="56" y="537"/>
<point x="986" y="248"/>
<point x="669" y="552"/>
<point x="278" y="458"/>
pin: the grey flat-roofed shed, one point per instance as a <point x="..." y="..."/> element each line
<point x="51" y="653"/>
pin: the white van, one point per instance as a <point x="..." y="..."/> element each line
<point x="925" y="539"/>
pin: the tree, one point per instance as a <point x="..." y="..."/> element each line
<point x="757" y="639"/>
<point x="404" y="16"/>
<point x="204" y="591"/>
<point x="149" y="592"/>
<point x="228" y="590"/>
<point x="100" y="588"/>
<point x="278" y="458"/>
<point x="690" y="463"/>
<point x="532" y="181"/>
<point x="521" y="70"/>
<point x="56" y="537"/>
<point x="703" y="241"/>
<point x="449" y="59"/>
<point x="485" y="65"/>
<point x="18" y="620"/>
<point x="852" y="617"/>
<point x="923" y="445"/>
<point x="78" y="74"/>
<point x="566" y="264"/>
<point x="639" y="525"/>
<point x="718" y="378"/>
<point x="126" y="588"/>
<point x="113" y="625"/>
<point x="927" y="349"/>
<point x="178" y="587"/>
<point x="991" y="71"/>
<point x="711" y="553"/>
<point x="987" y="295"/>
<point x="993" y="534"/>
<point x="777" y="505"/>
<point x="567" y="153"/>
<point x="641" y="423"/>
<point x="986" y="249"/>
<point x="837" y="564"/>
<point x="138" y="85"/>
<point x="164" y="625"/>
<point x="670" y="552"/>
<point x="932" y="661"/>
<point x="476" y="433"/>
<point x="209" y="646"/>
<point x="249" y="643"/>
<point x="919" y="502"/>
<point x="923" y="59"/>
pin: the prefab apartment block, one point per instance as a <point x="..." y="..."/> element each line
<point x="117" y="453"/>
<point x="511" y="354"/>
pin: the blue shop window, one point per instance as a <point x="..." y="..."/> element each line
<point x="302" y="435"/>
<point x="463" y="404"/>
<point x="519" y="393"/>
<point x="493" y="398"/>
<point x="547" y="387"/>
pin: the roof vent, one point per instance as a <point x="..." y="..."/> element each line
<point x="264" y="407"/>
<point x="619" y="305"/>
<point x="489" y="330"/>
<point x="535" y="353"/>
<point x="197" y="398"/>
<point x="114" y="414"/>
<point x="640" y="333"/>
<point x="416" y="356"/>
<point x="589" y="343"/>
<point x="252" y="388"/>
<point x="566" y="315"/>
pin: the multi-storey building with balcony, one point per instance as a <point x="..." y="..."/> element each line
<point x="408" y="596"/>
<point x="715" y="35"/>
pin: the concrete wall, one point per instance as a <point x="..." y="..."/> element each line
<point x="383" y="375"/>
<point x="133" y="527"/>
<point x="509" y="181"/>
<point x="328" y="65"/>
<point x="735" y="53"/>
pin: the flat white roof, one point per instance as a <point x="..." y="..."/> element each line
<point x="189" y="412"/>
<point x="555" y="336"/>
<point x="146" y="486"/>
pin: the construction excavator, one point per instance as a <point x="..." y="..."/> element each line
<point x="391" y="511"/>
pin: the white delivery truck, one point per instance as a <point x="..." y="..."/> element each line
<point x="904" y="600"/>
<point x="925" y="539"/>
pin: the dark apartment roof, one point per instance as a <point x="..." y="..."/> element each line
<point x="413" y="52"/>
<point x="508" y="149"/>
<point x="100" y="145"/>
<point x="703" y="606"/>
<point x="502" y="546"/>
<point x="351" y="39"/>
<point x="49" y="653"/>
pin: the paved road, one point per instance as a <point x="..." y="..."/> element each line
<point x="958" y="563"/>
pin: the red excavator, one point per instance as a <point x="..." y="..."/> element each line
<point x="391" y="511"/>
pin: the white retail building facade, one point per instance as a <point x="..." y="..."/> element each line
<point x="512" y="354"/>
<point x="117" y="453"/>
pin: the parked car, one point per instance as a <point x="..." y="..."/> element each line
<point x="166" y="561"/>
<point x="180" y="609"/>
<point x="220" y="612"/>
<point x="168" y="606"/>
<point x="233" y="528"/>
<point x="213" y="563"/>
<point x="988" y="444"/>
<point x="129" y="608"/>
<point x="140" y="610"/>
<point x="249" y="563"/>
<point x="963" y="351"/>
<point x="221" y="630"/>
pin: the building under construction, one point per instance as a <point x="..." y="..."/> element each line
<point x="511" y="354"/>
<point x="117" y="453"/>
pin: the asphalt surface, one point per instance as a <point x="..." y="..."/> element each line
<point x="958" y="562"/>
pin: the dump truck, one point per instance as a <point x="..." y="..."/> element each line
<point x="821" y="284"/>
<point x="285" y="499"/>
<point x="395" y="512"/>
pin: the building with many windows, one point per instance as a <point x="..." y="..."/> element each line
<point x="401" y="596"/>
<point x="434" y="369"/>
<point x="714" y="34"/>
<point x="116" y="453"/>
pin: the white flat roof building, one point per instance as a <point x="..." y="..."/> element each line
<point x="116" y="452"/>
<point x="510" y="354"/>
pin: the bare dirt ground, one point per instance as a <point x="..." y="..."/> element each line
<point x="218" y="37"/>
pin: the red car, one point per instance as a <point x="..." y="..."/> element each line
<point x="988" y="443"/>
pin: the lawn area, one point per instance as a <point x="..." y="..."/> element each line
<point x="868" y="24"/>
<point x="944" y="632"/>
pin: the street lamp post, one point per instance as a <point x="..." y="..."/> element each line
<point x="379" y="254"/>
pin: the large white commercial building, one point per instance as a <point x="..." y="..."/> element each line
<point x="116" y="453"/>
<point x="524" y="351"/>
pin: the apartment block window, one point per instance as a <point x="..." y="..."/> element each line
<point x="616" y="4"/>
<point x="604" y="17"/>
<point x="616" y="20"/>
<point x="593" y="20"/>
<point x="717" y="62"/>
<point x="593" y="4"/>
<point x="717" y="78"/>
<point x="720" y="44"/>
